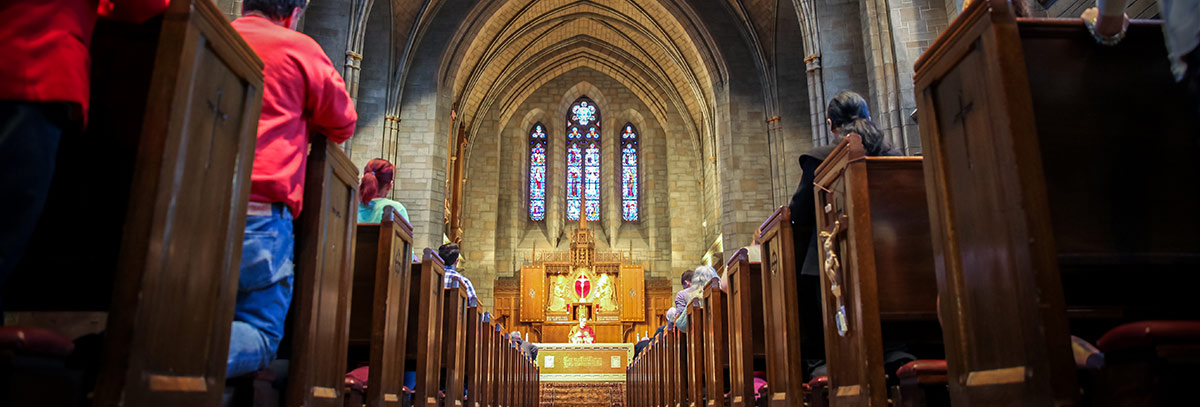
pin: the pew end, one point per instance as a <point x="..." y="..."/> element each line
<point x="1047" y="218"/>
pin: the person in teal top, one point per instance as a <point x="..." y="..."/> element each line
<point x="377" y="181"/>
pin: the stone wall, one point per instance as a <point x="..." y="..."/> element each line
<point x="498" y="235"/>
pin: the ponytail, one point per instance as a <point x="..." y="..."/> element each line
<point x="376" y="175"/>
<point x="874" y="143"/>
<point x="848" y="112"/>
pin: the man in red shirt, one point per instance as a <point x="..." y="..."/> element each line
<point x="302" y="93"/>
<point x="44" y="98"/>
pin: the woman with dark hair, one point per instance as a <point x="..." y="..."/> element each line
<point x="847" y="113"/>
<point x="377" y="181"/>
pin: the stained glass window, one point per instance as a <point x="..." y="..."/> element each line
<point x="583" y="159"/>
<point x="629" y="173"/>
<point x="537" y="172"/>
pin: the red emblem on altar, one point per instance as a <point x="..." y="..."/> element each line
<point x="583" y="286"/>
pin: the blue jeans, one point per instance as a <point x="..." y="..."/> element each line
<point x="29" y="136"/>
<point x="264" y="292"/>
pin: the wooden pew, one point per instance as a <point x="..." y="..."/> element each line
<point x="661" y="369"/>
<point x="475" y="376"/>
<point x="669" y="363"/>
<point x="426" y="297"/>
<point x="453" y="345"/>
<point x="653" y="392"/>
<point x="635" y="380"/>
<point x="716" y="333"/>
<point x="878" y="266"/>
<point x="696" y="353"/>
<point x="631" y="387"/>
<point x="644" y="384"/>
<point x="638" y="395"/>
<point x="530" y="390"/>
<point x="504" y="384"/>
<point x="320" y="313"/>
<point x="1027" y="127"/>
<point x="518" y="374"/>
<point x="487" y="388"/>
<point x="498" y="344"/>
<point x="745" y="326"/>
<point x="780" y="301"/>
<point x="379" y="304"/>
<point x="169" y="146"/>
<point x="679" y="368"/>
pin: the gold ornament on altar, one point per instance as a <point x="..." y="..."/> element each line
<point x="604" y="294"/>
<point x="558" y="301"/>
<point x="575" y="291"/>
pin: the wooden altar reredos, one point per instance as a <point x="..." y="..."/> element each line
<point x="604" y="287"/>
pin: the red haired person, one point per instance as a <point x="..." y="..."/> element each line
<point x="377" y="181"/>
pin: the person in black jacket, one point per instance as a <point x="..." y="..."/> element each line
<point x="847" y="113"/>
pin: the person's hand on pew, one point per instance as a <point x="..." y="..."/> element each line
<point x="1107" y="27"/>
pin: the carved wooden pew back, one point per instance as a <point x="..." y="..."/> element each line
<point x="716" y="335"/>
<point x="1040" y="171"/>
<point x="780" y="302"/>
<point x="379" y="304"/>
<point x="746" y="336"/>
<point x="169" y="147"/>
<point x="426" y="301"/>
<point x="453" y="345"/>
<point x="875" y="248"/>
<point x="320" y="313"/>
<point x="476" y="358"/>
<point x="696" y="353"/>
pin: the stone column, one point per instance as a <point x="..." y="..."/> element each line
<point x="895" y="33"/>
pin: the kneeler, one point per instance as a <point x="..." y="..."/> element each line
<point x="922" y="383"/>
<point x="817" y="392"/>
<point x="1153" y="363"/>
<point x="34" y="369"/>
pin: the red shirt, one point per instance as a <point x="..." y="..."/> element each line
<point x="302" y="92"/>
<point x="45" y="45"/>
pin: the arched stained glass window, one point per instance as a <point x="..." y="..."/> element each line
<point x="537" y="172"/>
<point x="629" y="173"/>
<point x="583" y="159"/>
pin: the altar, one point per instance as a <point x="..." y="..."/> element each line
<point x="598" y="362"/>
<point x="583" y="374"/>
<point x="582" y="296"/>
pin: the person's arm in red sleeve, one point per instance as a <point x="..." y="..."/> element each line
<point x="135" y="11"/>
<point x="332" y="110"/>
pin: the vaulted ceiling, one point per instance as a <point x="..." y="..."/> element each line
<point x="655" y="48"/>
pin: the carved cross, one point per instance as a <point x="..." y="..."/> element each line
<point x="960" y="118"/>
<point x="218" y="116"/>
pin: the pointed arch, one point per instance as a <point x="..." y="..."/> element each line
<point x="630" y="194"/>
<point x="538" y="146"/>
<point x="583" y="159"/>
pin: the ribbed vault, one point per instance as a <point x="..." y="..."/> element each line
<point x="512" y="48"/>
